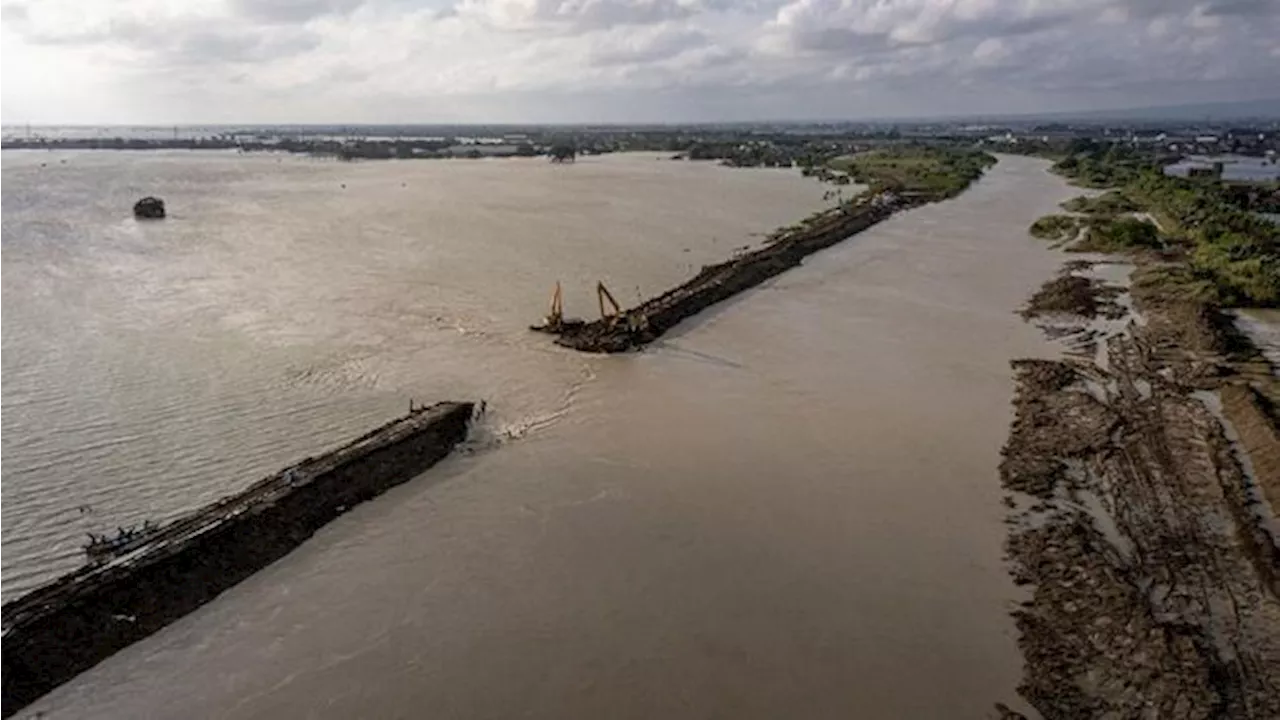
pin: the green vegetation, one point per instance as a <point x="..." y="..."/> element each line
<point x="562" y="153"/>
<point x="1254" y="196"/>
<point x="1118" y="234"/>
<point x="1176" y="282"/>
<point x="1091" y="165"/>
<point x="1222" y="253"/>
<point x="1112" y="202"/>
<point x="1238" y="252"/>
<point x="1101" y="233"/>
<point x="1056" y="227"/>
<point x="935" y="172"/>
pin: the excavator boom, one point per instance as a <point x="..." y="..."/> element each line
<point x="603" y="294"/>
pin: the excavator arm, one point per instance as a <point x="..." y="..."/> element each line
<point x="603" y="294"/>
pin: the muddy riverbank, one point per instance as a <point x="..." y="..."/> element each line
<point x="1143" y="479"/>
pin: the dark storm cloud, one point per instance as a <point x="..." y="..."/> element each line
<point x="1208" y="7"/>
<point x="1248" y="8"/>
<point x="838" y="40"/>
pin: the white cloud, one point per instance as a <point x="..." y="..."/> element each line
<point x="445" y="60"/>
<point x="991" y="51"/>
<point x="576" y="14"/>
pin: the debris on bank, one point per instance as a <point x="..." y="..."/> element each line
<point x="141" y="581"/>
<point x="1075" y="295"/>
<point x="1153" y="585"/>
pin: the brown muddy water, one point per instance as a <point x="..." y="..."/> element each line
<point x="787" y="507"/>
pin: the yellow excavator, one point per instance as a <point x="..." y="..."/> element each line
<point x="555" y="321"/>
<point x="603" y="294"/>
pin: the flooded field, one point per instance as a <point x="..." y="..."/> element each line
<point x="788" y="506"/>
<point x="1234" y="167"/>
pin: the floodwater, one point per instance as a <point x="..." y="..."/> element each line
<point x="1262" y="326"/>
<point x="787" y="507"/>
<point x="290" y="303"/>
<point x="1234" y="167"/>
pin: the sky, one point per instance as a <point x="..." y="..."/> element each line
<point x="443" y="61"/>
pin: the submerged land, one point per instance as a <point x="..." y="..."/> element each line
<point x="1142" y="469"/>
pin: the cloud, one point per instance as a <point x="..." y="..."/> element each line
<point x="1245" y="8"/>
<point x="648" y="46"/>
<point x="912" y="22"/>
<point x="424" y="60"/>
<point x="574" y="14"/>
<point x="13" y="12"/>
<point x="291" y="11"/>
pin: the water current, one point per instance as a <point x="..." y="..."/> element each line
<point x="788" y="507"/>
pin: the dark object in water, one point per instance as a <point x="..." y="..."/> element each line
<point x="144" y="578"/>
<point x="149" y="208"/>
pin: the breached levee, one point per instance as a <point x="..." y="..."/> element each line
<point x="151" y="579"/>
<point x="638" y="326"/>
<point x="901" y="177"/>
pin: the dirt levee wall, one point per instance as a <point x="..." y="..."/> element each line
<point x="644" y="323"/>
<point x="71" y="624"/>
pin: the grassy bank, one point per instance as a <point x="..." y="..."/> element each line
<point x="931" y="171"/>
<point x="1056" y="227"/>
<point x="1212" y="250"/>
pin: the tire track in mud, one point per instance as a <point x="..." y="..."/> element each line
<point x="1153" y="584"/>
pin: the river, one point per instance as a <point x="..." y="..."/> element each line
<point x="788" y="506"/>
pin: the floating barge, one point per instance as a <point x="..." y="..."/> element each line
<point x="638" y="326"/>
<point x="155" y="577"/>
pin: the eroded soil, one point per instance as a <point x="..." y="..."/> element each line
<point x="1139" y="526"/>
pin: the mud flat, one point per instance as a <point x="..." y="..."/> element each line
<point x="156" y="577"/>
<point x="1143" y="480"/>
<point x="644" y="323"/>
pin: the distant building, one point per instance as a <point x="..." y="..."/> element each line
<point x="1206" y="171"/>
